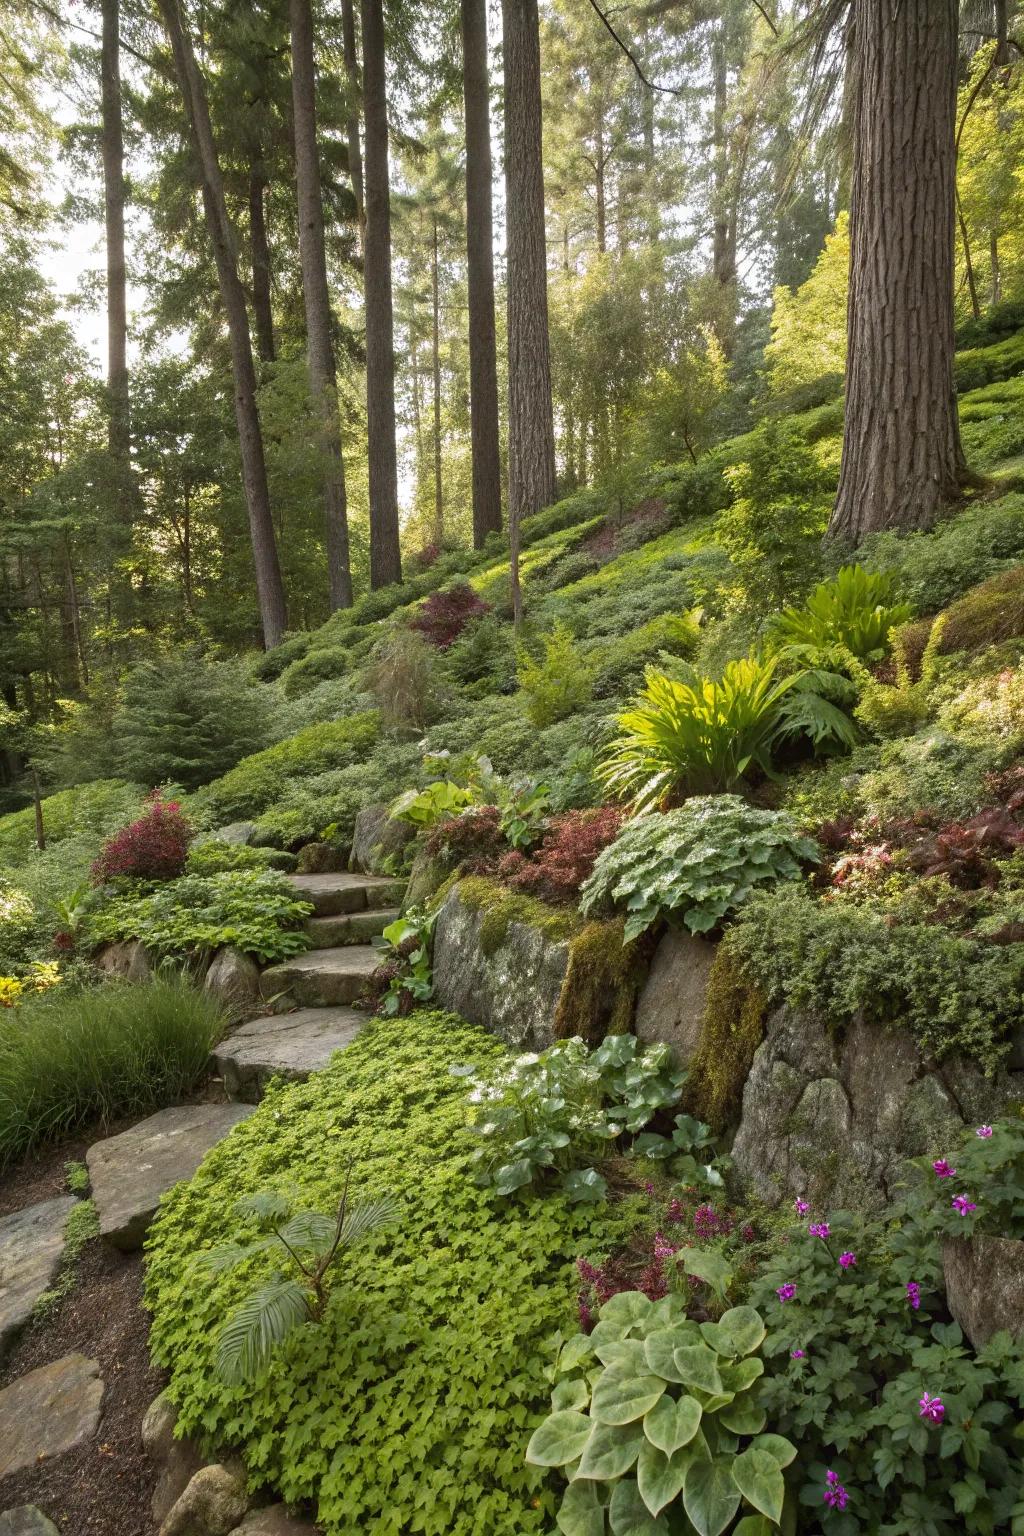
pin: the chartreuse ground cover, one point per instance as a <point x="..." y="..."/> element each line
<point x="409" y="1409"/>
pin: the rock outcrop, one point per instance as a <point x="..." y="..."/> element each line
<point x="377" y="841"/>
<point x="234" y="978"/>
<point x="671" y="1006"/>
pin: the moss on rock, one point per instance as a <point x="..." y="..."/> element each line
<point x="732" y="1030"/>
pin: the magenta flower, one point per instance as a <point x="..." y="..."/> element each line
<point x="798" y="1354"/>
<point x="662" y="1249"/>
<point x="932" y="1408"/>
<point x="801" y="1206"/>
<point x="963" y="1206"/>
<point x="942" y="1168"/>
<point x="914" y="1294"/>
<point x="786" y="1292"/>
<point x="984" y="1131"/>
<point x="847" y="1260"/>
<point x="835" y="1495"/>
<point x="819" y="1229"/>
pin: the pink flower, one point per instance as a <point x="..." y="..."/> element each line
<point x="984" y="1131"/>
<point x="819" y="1229"/>
<point x="932" y="1408"/>
<point x="942" y="1168"/>
<point x="786" y="1292"/>
<point x="914" y="1294"/>
<point x="847" y="1260"/>
<point x="835" y="1495"/>
<point x="798" y="1354"/>
<point x="801" y="1207"/>
<point x="962" y="1205"/>
<point x="662" y="1250"/>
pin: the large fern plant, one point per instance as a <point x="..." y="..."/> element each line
<point x="854" y="612"/>
<point x="311" y="1244"/>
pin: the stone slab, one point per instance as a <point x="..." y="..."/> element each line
<point x="349" y="927"/>
<point x="130" y="1172"/>
<point x="321" y="978"/>
<point x="288" y="1045"/>
<point x="331" y="894"/>
<point x="671" y="1006"/>
<point x="31" y="1243"/>
<point x="26" y="1520"/>
<point x="50" y="1411"/>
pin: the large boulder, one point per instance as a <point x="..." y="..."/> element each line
<point x="31" y="1244"/>
<point x="377" y="841"/>
<point x="126" y="959"/>
<point x="234" y="978"/>
<point x="26" y="1520"/>
<point x="178" y="1460"/>
<point x="240" y="834"/>
<point x="671" y="1006"/>
<point x="320" y="859"/>
<point x="835" y="1113"/>
<point x="52" y="1410"/>
<point x="213" y="1504"/>
<point x="504" y="974"/>
<point x="985" y="1285"/>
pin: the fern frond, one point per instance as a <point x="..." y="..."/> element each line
<point x="266" y="1206"/>
<point x="225" y="1256"/>
<point x="263" y="1320"/>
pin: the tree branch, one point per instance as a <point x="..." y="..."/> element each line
<point x="652" y="85"/>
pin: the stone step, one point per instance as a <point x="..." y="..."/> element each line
<point x="31" y="1244"/>
<point x="349" y="927"/>
<point x="322" y="978"/>
<point x="130" y="1172"/>
<point x="53" y="1410"/>
<point x="334" y="894"/>
<point x="288" y="1045"/>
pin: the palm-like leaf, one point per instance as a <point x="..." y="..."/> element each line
<point x="268" y="1205"/>
<point x="249" y="1336"/>
<point x="309" y="1232"/>
<point x="366" y="1217"/>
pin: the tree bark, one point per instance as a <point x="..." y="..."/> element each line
<point x="323" y="380"/>
<point x="483" y="354"/>
<point x="112" y="131"/>
<point x="902" y="458"/>
<point x="259" y="246"/>
<point x="435" y="283"/>
<point x="269" y="586"/>
<point x="531" y="432"/>
<point x="385" y="555"/>
<point x="355" y="157"/>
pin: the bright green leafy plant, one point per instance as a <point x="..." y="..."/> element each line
<point x="854" y="610"/>
<point x="423" y="808"/>
<point x="902" y="706"/>
<point x="656" y="1421"/>
<point x="311" y="1245"/>
<point x="557" y="684"/>
<point x="695" y="865"/>
<point x="405" y="972"/>
<point x="256" y="911"/>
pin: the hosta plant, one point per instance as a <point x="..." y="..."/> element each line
<point x="310" y="1245"/>
<point x="697" y="864"/>
<point x="854" y="610"/>
<point x="657" y="1426"/>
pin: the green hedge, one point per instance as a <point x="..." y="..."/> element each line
<point x="410" y="1408"/>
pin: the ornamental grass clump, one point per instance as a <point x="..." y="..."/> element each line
<point x="695" y="865"/>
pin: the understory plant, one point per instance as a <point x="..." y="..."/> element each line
<point x="556" y="1115"/>
<point x="311" y="1246"/>
<point x="977" y="1186"/>
<point x="256" y="911"/>
<point x="154" y="847"/>
<point x="658" y="1426"/>
<point x="405" y="976"/>
<point x="901" y="706"/>
<point x="855" y="611"/>
<point x="697" y="864"/>
<point x="559" y="682"/>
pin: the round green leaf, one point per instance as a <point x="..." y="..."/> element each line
<point x="560" y="1439"/>
<point x="738" y="1377"/>
<point x="513" y="1176"/>
<point x="582" y="1513"/>
<point x="660" y="1348"/>
<point x="585" y="1184"/>
<point x="754" y="1525"/>
<point x="777" y="1446"/>
<point x="573" y="1392"/>
<point x="710" y="1497"/>
<point x="574" y="1351"/>
<point x="660" y="1477"/>
<point x="625" y="1354"/>
<point x="611" y="1450"/>
<point x="630" y="1515"/>
<point x="669" y="1424"/>
<point x="744" y="1329"/>
<point x="621" y="1397"/>
<point x="759" y="1478"/>
<point x="671" y="1309"/>
<point x="627" y="1306"/>
<point x="743" y="1417"/>
<point x="697" y="1366"/>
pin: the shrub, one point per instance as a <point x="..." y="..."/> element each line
<point x="933" y="771"/>
<point x="446" y="614"/>
<point x="472" y="838"/>
<point x="88" y="812"/>
<point x="367" y="1416"/>
<point x="900" y="707"/>
<point x="256" y="911"/>
<point x="989" y="711"/>
<point x="153" y="848"/>
<point x="184" y="720"/>
<point x="68" y="1058"/>
<point x="932" y="569"/>
<point x="482" y="659"/>
<point x="654" y="1415"/>
<point x="772" y="532"/>
<point x="695" y="864"/>
<point x="257" y="782"/>
<point x="215" y="857"/>
<point x="620" y="663"/>
<point x="325" y="805"/>
<point x="17" y="919"/>
<point x="557" y="684"/>
<point x="402" y="679"/>
<point x="987" y="615"/>
<point x="564" y="858"/>
<point x="853" y="611"/>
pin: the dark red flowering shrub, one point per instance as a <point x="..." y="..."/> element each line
<point x="473" y="839"/>
<point x="445" y="614"/>
<point x="429" y="555"/>
<point x="153" y="848"/>
<point x="565" y="856"/>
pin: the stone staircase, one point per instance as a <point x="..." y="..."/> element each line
<point x="311" y="995"/>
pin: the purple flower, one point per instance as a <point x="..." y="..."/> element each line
<point x="847" y="1260"/>
<point x="962" y="1205"/>
<point x="942" y="1168"/>
<point x="984" y="1131"/>
<point x="786" y="1292"/>
<point x="819" y="1229"/>
<point x="798" y="1354"/>
<point x="675" y="1210"/>
<point x="914" y="1294"/>
<point x="801" y="1206"/>
<point x="662" y="1250"/>
<point x="835" y="1495"/>
<point x="705" y="1221"/>
<point x="933" y="1409"/>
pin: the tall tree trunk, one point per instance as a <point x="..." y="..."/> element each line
<point x="902" y="457"/>
<point x="600" y="193"/>
<point x="269" y="586"/>
<point x="531" y="432"/>
<point x="323" y="380"/>
<point x="260" y="253"/>
<point x="355" y="156"/>
<point x="112" y="134"/>
<point x="724" y="239"/>
<point x="435" y="283"/>
<point x="483" y="354"/>
<point x="385" y="556"/>
<point x="997" y="276"/>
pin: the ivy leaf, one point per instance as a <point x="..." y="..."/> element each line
<point x="670" y="1425"/>
<point x="759" y="1478"/>
<point x="611" y="1450"/>
<point x="619" y="1398"/>
<point x="560" y="1439"/>
<point x="630" y="1515"/>
<point x="710" y="1496"/>
<point x="582" y="1513"/>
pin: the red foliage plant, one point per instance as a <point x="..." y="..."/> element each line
<point x="565" y="856"/>
<point x="473" y="841"/>
<point x="445" y="614"/>
<point x="153" y="848"/>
